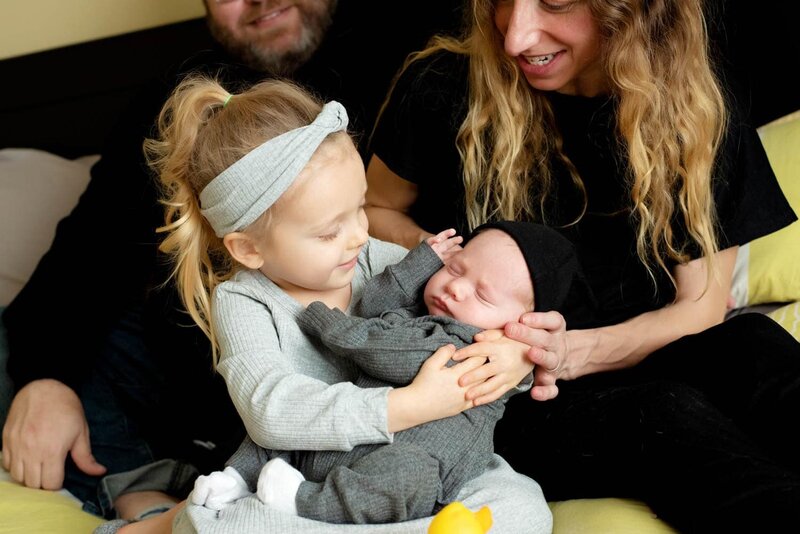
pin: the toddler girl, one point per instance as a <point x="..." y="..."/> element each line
<point x="265" y="195"/>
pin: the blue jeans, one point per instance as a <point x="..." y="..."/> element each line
<point x="154" y="423"/>
<point x="115" y="439"/>
<point x="126" y="381"/>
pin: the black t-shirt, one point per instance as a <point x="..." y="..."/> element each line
<point x="416" y="138"/>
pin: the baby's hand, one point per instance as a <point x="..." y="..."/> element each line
<point x="219" y="489"/>
<point x="445" y="243"/>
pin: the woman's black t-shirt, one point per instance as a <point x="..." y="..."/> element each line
<point x="416" y="138"/>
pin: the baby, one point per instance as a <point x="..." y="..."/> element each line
<point x="504" y="270"/>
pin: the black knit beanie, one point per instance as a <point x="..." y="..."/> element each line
<point x="558" y="280"/>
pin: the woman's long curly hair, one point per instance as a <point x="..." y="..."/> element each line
<point x="671" y="116"/>
<point x="202" y="130"/>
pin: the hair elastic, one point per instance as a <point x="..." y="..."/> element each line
<point x="227" y="100"/>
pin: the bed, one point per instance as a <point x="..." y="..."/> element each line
<point x="53" y="130"/>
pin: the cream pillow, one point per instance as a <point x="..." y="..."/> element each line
<point x="37" y="189"/>
<point x="768" y="269"/>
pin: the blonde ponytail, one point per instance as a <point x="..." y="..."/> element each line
<point x="202" y="130"/>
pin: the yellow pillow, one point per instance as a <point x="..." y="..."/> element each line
<point x="29" y="511"/>
<point x="606" y="516"/>
<point x="768" y="269"/>
<point x="788" y="317"/>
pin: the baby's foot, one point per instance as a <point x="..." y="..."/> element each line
<point x="219" y="489"/>
<point x="278" y="483"/>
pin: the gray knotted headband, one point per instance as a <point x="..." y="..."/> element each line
<point x="243" y="191"/>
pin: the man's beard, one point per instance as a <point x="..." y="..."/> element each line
<point x="283" y="63"/>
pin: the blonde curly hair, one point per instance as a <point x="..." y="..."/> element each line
<point x="671" y="117"/>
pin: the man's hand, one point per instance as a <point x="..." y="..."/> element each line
<point x="45" y="422"/>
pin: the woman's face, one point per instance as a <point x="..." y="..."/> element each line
<point x="556" y="43"/>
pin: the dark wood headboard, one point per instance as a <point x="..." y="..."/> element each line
<point x="66" y="100"/>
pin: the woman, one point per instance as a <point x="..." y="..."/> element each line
<point x="606" y="120"/>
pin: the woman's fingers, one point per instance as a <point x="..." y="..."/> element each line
<point x="544" y="385"/>
<point x="551" y="320"/>
<point x="535" y="337"/>
<point x="544" y="393"/>
<point x="549" y="361"/>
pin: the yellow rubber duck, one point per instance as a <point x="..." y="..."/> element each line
<point x="455" y="518"/>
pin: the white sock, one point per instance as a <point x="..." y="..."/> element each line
<point x="278" y="484"/>
<point x="218" y="489"/>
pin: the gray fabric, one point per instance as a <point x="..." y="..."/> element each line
<point x="389" y="344"/>
<point x="391" y="347"/>
<point x="172" y="477"/>
<point x="397" y="482"/>
<point x="388" y="336"/>
<point x="283" y="384"/>
<point x="250" y="515"/>
<point x="516" y="502"/>
<point x="249" y="458"/>
<point x="111" y="527"/>
<point x="242" y="192"/>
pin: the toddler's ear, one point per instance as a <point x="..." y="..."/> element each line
<point x="242" y="248"/>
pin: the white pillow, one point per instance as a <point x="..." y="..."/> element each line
<point x="37" y="189"/>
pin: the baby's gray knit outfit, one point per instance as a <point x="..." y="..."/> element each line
<point x="389" y="339"/>
<point x="294" y="395"/>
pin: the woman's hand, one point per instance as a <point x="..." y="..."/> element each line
<point x="546" y="334"/>
<point x="507" y="365"/>
<point x="435" y="392"/>
<point x="560" y="354"/>
<point x="445" y="243"/>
